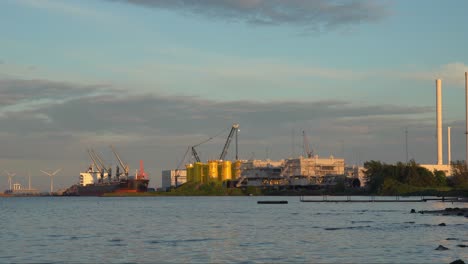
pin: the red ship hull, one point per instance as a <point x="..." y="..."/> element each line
<point x="123" y="186"/>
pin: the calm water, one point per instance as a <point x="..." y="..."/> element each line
<point x="225" y="230"/>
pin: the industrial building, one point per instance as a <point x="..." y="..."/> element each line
<point x="173" y="178"/>
<point x="18" y="189"/>
<point x="309" y="170"/>
<point x="298" y="171"/>
<point x="261" y="173"/>
<point x="356" y="172"/>
<point x="313" y="170"/>
<point x="314" y="166"/>
<point x="301" y="171"/>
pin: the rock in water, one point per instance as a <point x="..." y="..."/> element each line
<point x="442" y="224"/>
<point x="440" y="247"/>
<point x="458" y="261"/>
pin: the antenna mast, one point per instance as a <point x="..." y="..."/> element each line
<point x="406" y="143"/>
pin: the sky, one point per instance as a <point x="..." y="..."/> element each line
<point x="153" y="77"/>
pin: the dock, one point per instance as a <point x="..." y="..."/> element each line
<point x="372" y="199"/>
<point x="272" y="202"/>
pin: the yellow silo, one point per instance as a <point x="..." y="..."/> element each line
<point x="197" y="172"/>
<point x="226" y="169"/>
<point x="213" y="170"/>
<point x="220" y="170"/>
<point x="189" y="168"/>
<point x="236" y="170"/>
<point x="205" y="177"/>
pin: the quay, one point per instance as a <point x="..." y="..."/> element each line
<point x="372" y="199"/>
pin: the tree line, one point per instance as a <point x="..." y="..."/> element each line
<point x="400" y="178"/>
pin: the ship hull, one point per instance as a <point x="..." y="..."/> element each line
<point x="124" y="186"/>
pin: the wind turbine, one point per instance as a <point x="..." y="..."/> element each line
<point x="10" y="175"/>
<point x="51" y="175"/>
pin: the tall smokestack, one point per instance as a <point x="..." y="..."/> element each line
<point x="439" y="120"/>
<point x="449" y="147"/>
<point x="466" y="121"/>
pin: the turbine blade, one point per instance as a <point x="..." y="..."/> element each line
<point x="46" y="173"/>
<point x="56" y="171"/>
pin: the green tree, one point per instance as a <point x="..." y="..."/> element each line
<point x="440" y="178"/>
<point x="389" y="179"/>
<point x="459" y="174"/>
<point x="373" y="171"/>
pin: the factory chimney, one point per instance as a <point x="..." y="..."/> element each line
<point x="449" y="151"/>
<point x="439" y="120"/>
<point x="466" y="120"/>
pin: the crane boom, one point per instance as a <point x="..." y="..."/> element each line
<point x="195" y="154"/>
<point x="177" y="170"/>
<point x="228" y="141"/>
<point x="100" y="161"/>
<point x="307" y="149"/>
<point x="98" y="167"/>
<point x="183" y="159"/>
<point x="122" y="164"/>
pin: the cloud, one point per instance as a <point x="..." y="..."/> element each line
<point x="19" y="95"/>
<point x="452" y="73"/>
<point x="68" y="109"/>
<point x="67" y="8"/>
<point x="314" y="15"/>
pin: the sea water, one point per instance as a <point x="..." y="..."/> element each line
<point x="225" y="230"/>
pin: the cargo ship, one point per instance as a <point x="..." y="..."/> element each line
<point x="97" y="180"/>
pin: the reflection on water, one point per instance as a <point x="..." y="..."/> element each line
<point x="225" y="230"/>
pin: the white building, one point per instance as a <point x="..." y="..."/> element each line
<point x="169" y="178"/>
<point x="261" y="173"/>
<point x="316" y="167"/>
<point x="298" y="171"/>
<point x="440" y="167"/>
<point x="355" y="171"/>
<point x="261" y="168"/>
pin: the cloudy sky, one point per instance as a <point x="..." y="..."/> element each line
<point x="152" y="77"/>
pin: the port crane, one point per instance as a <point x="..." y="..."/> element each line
<point x="234" y="129"/>
<point x="177" y="170"/>
<point x="308" y="152"/>
<point x="195" y="154"/>
<point x="100" y="164"/>
<point x="95" y="163"/>
<point x="124" y="166"/>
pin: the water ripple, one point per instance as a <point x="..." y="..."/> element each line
<point x="223" y="230"/>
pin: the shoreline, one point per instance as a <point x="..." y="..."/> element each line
<point x="455" y="211"/>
